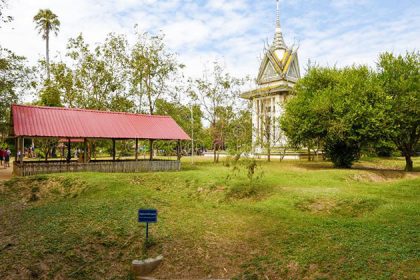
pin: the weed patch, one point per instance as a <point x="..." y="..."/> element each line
<point x="244" y="180"/>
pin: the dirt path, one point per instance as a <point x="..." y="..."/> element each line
<point x="6" y="173"/>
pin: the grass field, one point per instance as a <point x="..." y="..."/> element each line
<point x="297" y="220"/>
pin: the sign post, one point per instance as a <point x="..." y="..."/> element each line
<point x="147" y="216"/>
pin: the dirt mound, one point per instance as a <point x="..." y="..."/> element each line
<point x="381" y="176"/>
<point x="351" y="207"/>
<point x="42" y="187"/>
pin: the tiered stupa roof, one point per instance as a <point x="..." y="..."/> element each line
<point x="279" y="69"/>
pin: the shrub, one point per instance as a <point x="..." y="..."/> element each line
<point x="385" y="148"/>
<point x="342" y="154"/>
<point x="241" y="186"/>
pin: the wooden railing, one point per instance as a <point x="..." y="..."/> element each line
<point x="34" y="168"/>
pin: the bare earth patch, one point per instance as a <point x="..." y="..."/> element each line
<point x="5" y="173"/>
<point x="37" y="188"/>
<point x="351" y="207"/>
<point x="382" y="176"/>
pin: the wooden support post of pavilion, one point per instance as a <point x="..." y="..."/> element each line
<point x="19" y="144"/>
<point x="178" y="150"/>
<point x="16" y="148"/>
<point x="17" y="141"/>
<point x="85" y="154"/>
<point x="113" y="149"/>
<point x="137" y="150"/>
<point x="22" y="149"/>
<point x="68" y="150"/>
<point x="151" y="149"/>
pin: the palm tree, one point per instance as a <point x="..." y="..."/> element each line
<point x="47" y="21"/>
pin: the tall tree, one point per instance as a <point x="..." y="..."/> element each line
<point x="188" y="117"/>
<point x="218" y="94"/>
<point x="343" y="109"/>
<point x="153" y="71"/>
<point x="239" y="133"/>
<point x="99" y="76"/>
<point x="64" y="81"/>
<point x="269" y="136"/>
<point x="400" y="76"/>
<point x="15" y="81"/>
<point x="46" y="21"/>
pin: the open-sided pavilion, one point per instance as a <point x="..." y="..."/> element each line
<point x="79" y="125"/>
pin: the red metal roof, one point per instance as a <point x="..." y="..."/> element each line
<point x="36" y="121"/>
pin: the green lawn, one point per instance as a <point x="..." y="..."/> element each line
<point x="299" y="220"/>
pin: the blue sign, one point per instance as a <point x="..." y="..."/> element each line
<point x="147" y="215"/>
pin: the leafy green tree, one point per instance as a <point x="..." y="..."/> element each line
<point x="63" y="80"/>
<point x="46" y="21"/>
<point x="15" y="81"/>
<point x="267" y="137"/>
<point x="400" y="77"/>
<point x="190" y="123"/>
<point x="50" y="95"/>
<point x="217" y="93"/>
<point x="114" y="75"/>
<point x="307" y="112"/>
<point x="153" y="69"/>
<point x="182" y="115"/>
<point x="341" y="109"/>
<point x="384" y="148"/>
<point x="99" y="77"/>
<point x="239" y="133"/>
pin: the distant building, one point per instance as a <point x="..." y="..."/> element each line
<point x="279" y="72"/>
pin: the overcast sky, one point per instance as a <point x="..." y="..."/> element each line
<point x="329" y="32"/>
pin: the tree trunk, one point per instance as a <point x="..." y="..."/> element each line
<point x="149" y="96"/>
<point x="309" y="154"/>
<point x="408" y="163"/>
<point x="47" y="55"/>
<point x="214" y="154"/>
<point x="269" y="152"/>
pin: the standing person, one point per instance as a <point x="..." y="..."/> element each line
<point x="1" y="156"/>
<point x="7" y="158"/>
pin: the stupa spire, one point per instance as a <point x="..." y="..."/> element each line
<point x="278" y="37"/>
<point x="278" y="15"/>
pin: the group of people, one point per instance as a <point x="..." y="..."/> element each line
<point x="29" y="152"/>
<point x="5" y="157"/>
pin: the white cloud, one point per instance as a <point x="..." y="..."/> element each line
<point x="339" y="31"/>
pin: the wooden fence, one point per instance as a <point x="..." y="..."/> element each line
<point x="34" y="168"/>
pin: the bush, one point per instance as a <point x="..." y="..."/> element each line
<point x="385" y="148"/>
<point x="239" y="185"/>
<point x="40" y="153"/>
<point x="342" y="154"/>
